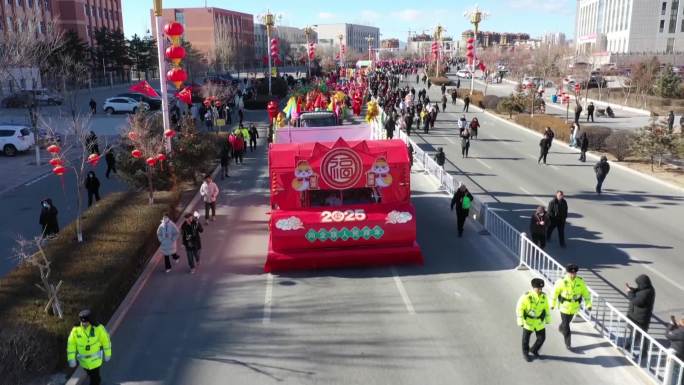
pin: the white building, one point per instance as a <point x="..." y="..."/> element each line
<point x="17" y="79"/>
<point x="353" y="36"/>
<point x="260" y="41"/>
<point x="629" y="27"/>
<point x="557" y="38"/>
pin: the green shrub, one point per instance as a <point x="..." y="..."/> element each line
<point x="597" y="137"/>
<point x="490" y="102"/>
<point x="619" y="143"/>
<point x="259" y="102"/>
<point x="439" y="81"/>
<point x="120" y="237"/>
<point x="539" y="122"/>
<point x="278" y="87"/>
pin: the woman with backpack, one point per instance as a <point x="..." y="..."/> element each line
<point x="462" y="200"/>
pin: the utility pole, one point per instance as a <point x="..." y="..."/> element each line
<point x="369" y="39"/>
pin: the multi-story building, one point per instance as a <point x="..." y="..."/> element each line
<point x="207" y="28"/>
<point x="353" y="36"/>
<point x="489" y="39"/>
<point x="86" y="16"/>
<point x="389" y="43"/>
<point x="260" y="41"/>
<point x="551" y="38"/>
<point x="629" y="27"/>
<point x="422" y="45"/>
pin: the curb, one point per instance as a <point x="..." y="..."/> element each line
<point x="79" y="375"/>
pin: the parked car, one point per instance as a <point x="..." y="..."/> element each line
<point x="123" y="104"/>
<point x="47" y="97"/>
<point x="25" y="98"/>
<point x="154" y="103"/>
<point x="21" y="99"/>
<point x="463" y="74"/>
<point x="15" y="138"/>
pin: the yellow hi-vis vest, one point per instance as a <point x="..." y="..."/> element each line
<point x="569" y="293"/>
<point x="533" y="311"/>
<point x="89" y="345"/>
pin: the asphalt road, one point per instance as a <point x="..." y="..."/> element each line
<point x="21" y="207"/>
<point x="449" y="321"/>
<point x="632" y="229"/>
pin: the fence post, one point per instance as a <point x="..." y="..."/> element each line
<point x="669" y="369"/>
<point x="522" y="265"/>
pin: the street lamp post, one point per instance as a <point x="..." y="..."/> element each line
<point x="162" y="72"/>
<point x="269" y="21"/>
<point x="438" y="39"/>
<point x="475" y="16"/>
<point x="308" y="31"/>
<point x="340" y="37"/>
<point x="369" y="39"/>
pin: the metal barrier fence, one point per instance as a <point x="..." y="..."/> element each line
<point x="638" y="347"/>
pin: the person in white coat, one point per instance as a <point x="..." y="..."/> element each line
<point x="209" y="192"/>
<point x="167" y="234"/>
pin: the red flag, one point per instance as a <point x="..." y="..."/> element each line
<point x="185" y="95"/>
<point x="144" y="88"/>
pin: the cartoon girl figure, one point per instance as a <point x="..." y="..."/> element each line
<point x="381" y="169"/>
<point x="303" y="172"/>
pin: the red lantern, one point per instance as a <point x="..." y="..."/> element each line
<point x="136" y="153"/>
<point x="54" y="162"/>
<point x="312" y="52"/>
<point x="470" y="40"/>
<point x="133" y="136"/>
<point x="93" y="159"/>
<point x="175" y="54"/>
<point x="470" y="47"/>
<point x="59" y="170"/>
<point x="161" y="157"/>
<point x="470" y="54"/>
<point x="53" y="149"/>
<point x="275" y="49"/>
<point x="151" y="161"/>
<point x="169" y="133"/>
<point x="173" y="28"/>
<point x="177" y="76"/>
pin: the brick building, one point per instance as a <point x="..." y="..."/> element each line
<point x="204" y="27"/>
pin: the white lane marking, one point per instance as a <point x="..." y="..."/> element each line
<point x="457" y="294"/>
<point x="663" y="276"/>
<point x="554" y="167"/>
<point x="402" y="292"/>
<point x="37" y="179"/>
<point x="268" y="299"/>
<point x="484" y="164"/>
<point x="533" y="196"/>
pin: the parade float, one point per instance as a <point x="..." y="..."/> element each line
<point x="340" y="198"/>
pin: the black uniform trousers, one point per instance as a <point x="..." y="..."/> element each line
<point x="461" y="216"/>
<point x="540" y="338"/>
<point x="560" y="224"/>
<point x="94" y="376"/>
<point x="564" y="328"/>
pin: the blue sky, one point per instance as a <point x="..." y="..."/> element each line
<point x="394" y="17"/>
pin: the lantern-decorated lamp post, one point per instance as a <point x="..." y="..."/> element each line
<point x="269" y="21"/>
<point x="308" y="31"/>
<point x="162" y="68"/>
<point x="475" y="17"/>
<point x="438" y="41"/>
<point x="370" y="39"/>
<point x="341" y="37"/>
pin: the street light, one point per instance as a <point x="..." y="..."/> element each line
<point x="162" y="72"/>
<point x="369" y="39"/>
<point x="308" y="31"/>
<point x="438" y="38"/>
<point x="340" y="37"/>
<point x="475" y="16"/>
<point x="269" y="21"/>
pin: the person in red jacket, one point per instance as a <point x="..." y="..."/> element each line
<point x="237" y="141"/>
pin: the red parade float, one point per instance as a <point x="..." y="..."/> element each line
<point x="340" y="203"/>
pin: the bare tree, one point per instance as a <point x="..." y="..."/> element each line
<point x="26" y="45"/>
<point x="31" y="252"/>
<point x="145" y="135"/>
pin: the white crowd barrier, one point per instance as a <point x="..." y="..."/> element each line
<point x="640" y="348"/>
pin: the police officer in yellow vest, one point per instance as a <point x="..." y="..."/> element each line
<point x="568" y="294"/>
<point x="89" y="344"/>
<point x="533" y="315"/>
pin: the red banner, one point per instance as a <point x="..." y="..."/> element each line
<point x="144" y="88"/>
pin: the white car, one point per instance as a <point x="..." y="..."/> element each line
<point x="123" y="104"/>
<point x="15" y="138"/>
<point x="463" y="74"/>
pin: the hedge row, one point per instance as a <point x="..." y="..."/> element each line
<point x="119" y="234"/>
